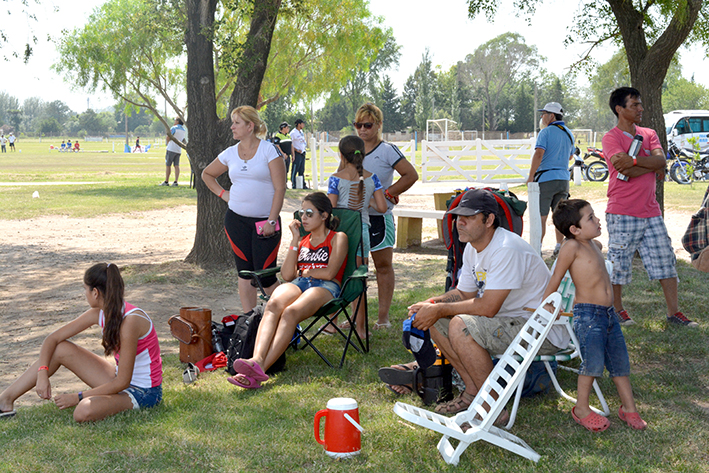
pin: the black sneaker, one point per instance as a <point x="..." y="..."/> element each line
<point x="164" y="183"/>
<point x="680" y="319"/>
<point x="625" y="319"/>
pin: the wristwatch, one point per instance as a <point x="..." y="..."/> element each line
<point x="273" y="223"/>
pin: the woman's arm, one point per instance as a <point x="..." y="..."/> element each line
<point x="76" y="326"/>
<point x="210" y="174"/>
<point x="277" y="168"/>
<point x="337" y="257"/>
<point x="378" y="201"/>
<point x="408" y="178"/>
<point x="289" y="268"/>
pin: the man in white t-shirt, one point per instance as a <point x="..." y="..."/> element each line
<point x="500" y="277"/>
<point x="173" y="151"/>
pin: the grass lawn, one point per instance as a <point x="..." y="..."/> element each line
<point x="212" y="426"/>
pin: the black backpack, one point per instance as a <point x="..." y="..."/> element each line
<point x="243" y="339"/>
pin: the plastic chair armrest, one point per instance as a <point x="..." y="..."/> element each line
<point x="261" y="273"/>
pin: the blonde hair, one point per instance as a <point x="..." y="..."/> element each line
<point x="371" y="112"/>
<point x="250" y="114"/>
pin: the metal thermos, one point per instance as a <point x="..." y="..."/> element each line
<point x="217" y="341"/>
<point x="635" y="146"/>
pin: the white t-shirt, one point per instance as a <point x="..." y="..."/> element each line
<point x="179" y="132"/>
<point x="509" y="263"/>
<point x="251" y="193"/>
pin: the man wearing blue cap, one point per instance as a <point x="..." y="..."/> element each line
<point x="500" y="277"/>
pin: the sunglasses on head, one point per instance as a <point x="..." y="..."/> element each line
<point x="307" y="212"/>
<point x="367" y="125"/>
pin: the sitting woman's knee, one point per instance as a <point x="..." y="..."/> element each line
<point x="83" y="411"/>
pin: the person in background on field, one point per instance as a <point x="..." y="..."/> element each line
<point x="283" y="140"/>
<point x="77" y="147"/>
<point x="633" y="215"/>
<point x="133" y="382"/>
<point x="12" y="140"/>
<point x="550" y="163"/>
<point x="595" y="321"/>
<point x="137" y="148"/>
<point x="313" y="269"/>
<point x="299" y="145"/>
<point x="382" y="159"/>
<point x="352" y="187"/>
<point x="252" y="221"/>
<point x="173" y="151"/>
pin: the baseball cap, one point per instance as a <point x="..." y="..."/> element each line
<point x="475" y="201"/>
<point x="552" y="107"/>
<point x="283" y="125"/>
<point x="419" y="342"/>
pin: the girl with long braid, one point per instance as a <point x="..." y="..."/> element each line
<point x="354" y="188"/>
<point x="127" y="333"/>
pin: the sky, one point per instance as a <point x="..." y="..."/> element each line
<point x="442" y="26"/>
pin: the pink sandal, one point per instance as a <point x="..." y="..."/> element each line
<point x="592" y="422"/>
<point x="632" y="419"/>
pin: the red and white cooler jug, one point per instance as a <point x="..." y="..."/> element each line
<point x="342" y="429"/>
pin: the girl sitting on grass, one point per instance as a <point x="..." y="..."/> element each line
<point x="313" y="267"/>
<point x="354" y="188"/>
<point x="128" y="333"/>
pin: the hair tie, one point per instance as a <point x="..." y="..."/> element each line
<point x="108" y="265"/>
<point x="357" y="152"/>
<point x="361" y="178"/>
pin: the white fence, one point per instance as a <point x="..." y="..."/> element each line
<point x="326" y="159"/>
<point x="481" y="161"/>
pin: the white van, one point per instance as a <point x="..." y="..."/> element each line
<point x="683" y="124"/>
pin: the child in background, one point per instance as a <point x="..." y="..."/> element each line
<point x="595" y="321"/>
<point x="351" y="187"/>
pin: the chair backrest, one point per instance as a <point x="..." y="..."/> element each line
<point x="509" y="372"/>
<point x="350" y="225"/>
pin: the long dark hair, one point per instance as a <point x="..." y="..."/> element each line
<point x="322" y="203"/>
<point x="106" y="278"/>
<point x="352" y="149"/>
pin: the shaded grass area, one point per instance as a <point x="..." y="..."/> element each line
<point x="213" y="426"/>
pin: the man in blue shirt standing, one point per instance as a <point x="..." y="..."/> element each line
<point x="550" y="163"/>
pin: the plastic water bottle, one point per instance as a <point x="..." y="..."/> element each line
<point x="635" y="146"/>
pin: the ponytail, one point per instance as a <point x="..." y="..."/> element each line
<point x="352" y="149"/>
<point x="106" y="278"/>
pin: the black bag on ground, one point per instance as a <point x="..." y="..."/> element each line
<point x="435" y="383"/>
<point x="243" y="339"/>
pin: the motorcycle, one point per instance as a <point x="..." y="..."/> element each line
<point x="596" y="171"/>
<point x="687" y="165"/>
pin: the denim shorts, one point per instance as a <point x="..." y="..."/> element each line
<point x="601" y="341"/>
<point x="144" y="397"/>
<point x="306" y="283"/>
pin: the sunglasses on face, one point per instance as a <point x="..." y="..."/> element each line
<point x="367" y="125"/>
<point x="307" y="212"/>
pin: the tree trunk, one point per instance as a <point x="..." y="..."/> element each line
<point x="648" y="66"/>
<point x="208" y="134"/>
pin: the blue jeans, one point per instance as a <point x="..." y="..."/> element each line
<point x="601" y="341"/>
<point x="144" y="397"/>
<point x="306" y="283"/>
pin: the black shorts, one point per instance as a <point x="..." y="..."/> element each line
<point x="251" y="251"/>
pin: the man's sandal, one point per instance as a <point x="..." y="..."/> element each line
<point x="459" y="404"/>
<point x="632" y="419"/>
<point x="592" y="422"/>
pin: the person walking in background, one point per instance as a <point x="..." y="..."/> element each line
<point x="173" y="151"/>
<point x="382" y="159"/>
<point x="258" y="177"/>
<point x="137" y="148"/>
<point x="633" y="215"/>
<point x="299" y="145"/>
<point x="283" y="140"/>
<point x="550" y="164"/>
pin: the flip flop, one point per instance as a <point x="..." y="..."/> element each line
<point x="592" y="422"/>
<point x="390" y="375"/>
<point x="253" y="384"/>
<point x="388" y="386"/>
<point x="385" y="325"/>
<point x="632" y="419"/>
<point x="7" y="414"/>
<point x="254" y="371"/>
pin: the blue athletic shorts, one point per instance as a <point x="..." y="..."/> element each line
<point x="306" y="283"/>
<point x="601" y="341"/>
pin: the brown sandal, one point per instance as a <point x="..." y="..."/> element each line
<point x="459" y="404"/>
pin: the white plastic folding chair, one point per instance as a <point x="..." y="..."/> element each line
<point x="567" y="291"/>
<point x="492" y="395"/>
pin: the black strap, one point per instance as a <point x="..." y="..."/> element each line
<point x="564" y="130"/>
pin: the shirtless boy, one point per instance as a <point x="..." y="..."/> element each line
<point x="595" y="321"/>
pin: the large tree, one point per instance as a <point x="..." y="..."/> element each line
<point x="651" y="31"/>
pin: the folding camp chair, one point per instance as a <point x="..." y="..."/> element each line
<point x="497" y="389"/>
<point x="567" y="291"/>
<point x="354" y="289"/>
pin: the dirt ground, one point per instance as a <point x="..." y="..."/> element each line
<point x="42" y="261"/>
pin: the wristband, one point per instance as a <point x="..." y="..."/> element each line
<point x="431" y="301"/>
<point x="222" y="193"/>
<point x="388" y="195"/>
<point x="635" y="161"/>
<point x="81" y="396"/>
<point x="45" y="368"/>
<point x="294" y="248"/>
